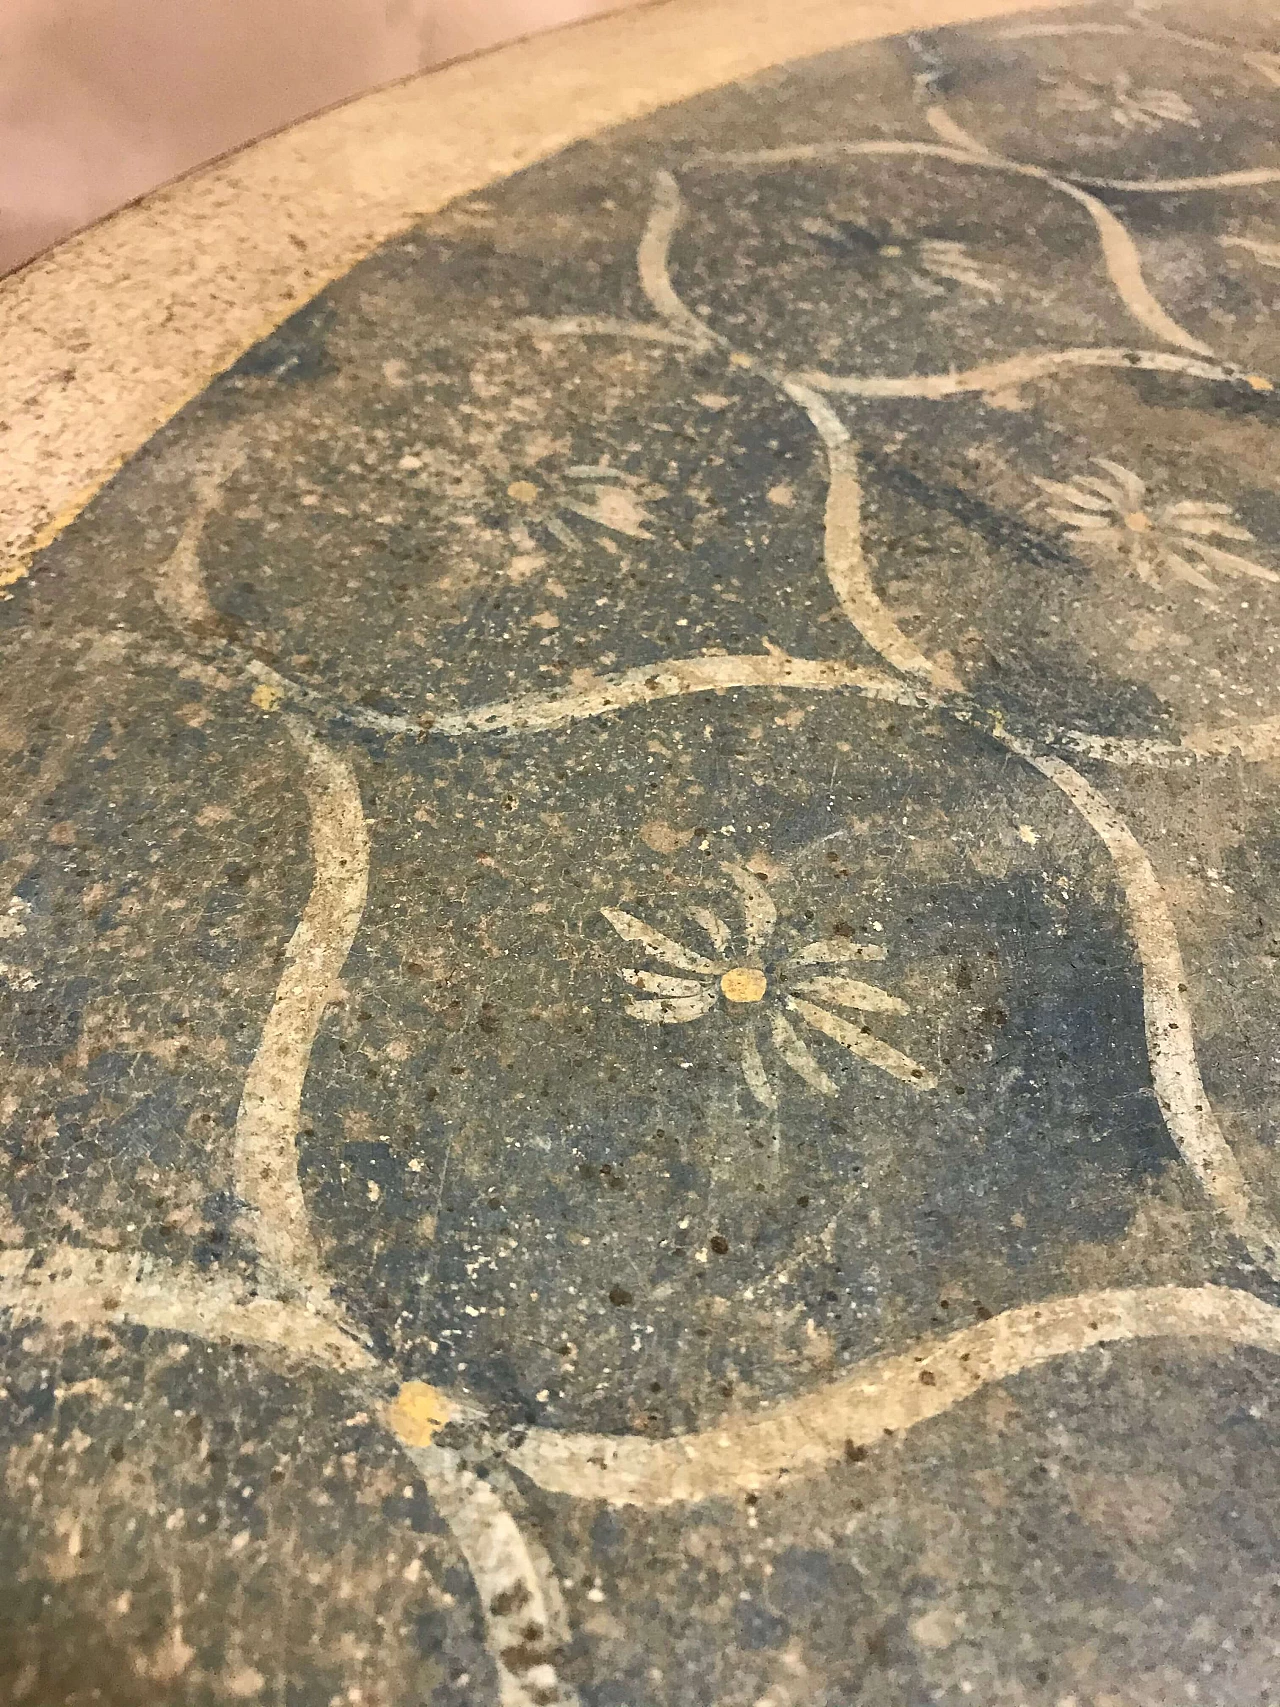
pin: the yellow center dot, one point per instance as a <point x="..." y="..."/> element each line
<point x="1138" y="521"/>
<point x="891" y="249"/>
<point x="418" y="1413"/>
<point x="744" y="984"/>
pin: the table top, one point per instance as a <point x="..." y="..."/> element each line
<point x="638" y="937"/>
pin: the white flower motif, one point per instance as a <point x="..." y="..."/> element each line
<point x="786" y="988"/>
<point x="923" y="258"/>
<point x="948" y="260"/>
<point x="1129" y="109"/>
<point x="607" y="497"/>
<point x="1110" y="515"/>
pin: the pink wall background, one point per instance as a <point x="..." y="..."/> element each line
<point x="102" y="100"/>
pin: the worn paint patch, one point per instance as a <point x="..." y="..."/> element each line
<point x="418" y="1413"/>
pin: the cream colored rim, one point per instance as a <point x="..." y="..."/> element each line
<point x="105" y="338"/>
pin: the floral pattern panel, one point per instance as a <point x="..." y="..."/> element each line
<point x="590" y="1060"/>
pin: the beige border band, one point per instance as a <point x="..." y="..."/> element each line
<point x="104" y="339"/>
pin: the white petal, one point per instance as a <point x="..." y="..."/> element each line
<point x="1115" y="495"/>
<point x="1070" y="494"/>
<point x="1212" y="526"/>
<point x="1167" y="105"/>
<point x="1083" y="522"/>
<point x="757" y="905"/>
<point x="564" y="534"/>
<point x="950" y="260"/>
<point x="852" y="993"/>
<point x="799" y="1058"/>
<point x="1178" y="566"/>
<point x="655" y="984"/>
<point x="753" y="1072"/>
<point x="860" y="1042"/>
<point x="661" y="947"/>
<point x="834" y="950"/>
<point x="1133" y="488"/>
<point x="613" y="509"/>
<point x="672" y="1010"/>
<point x="715" y="928"/>
<point x="1229" y="563"/>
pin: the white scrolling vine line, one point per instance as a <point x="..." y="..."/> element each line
<point x="291" y="1315"/>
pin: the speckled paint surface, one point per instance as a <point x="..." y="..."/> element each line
<point x="638" y="940"/>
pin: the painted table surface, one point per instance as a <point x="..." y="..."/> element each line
<point x="638" y="944"/>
